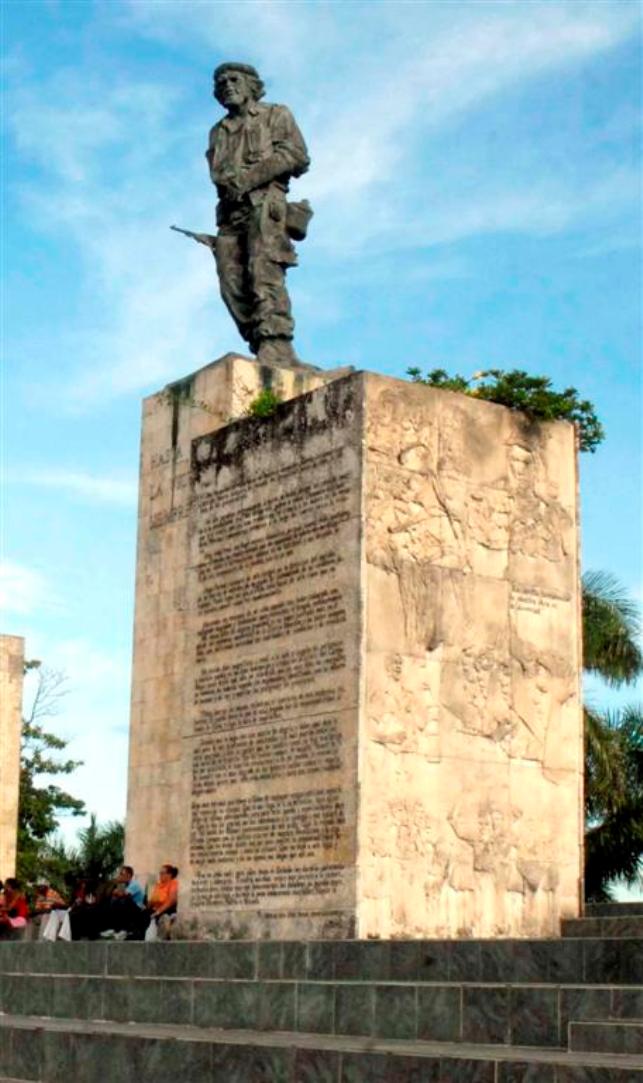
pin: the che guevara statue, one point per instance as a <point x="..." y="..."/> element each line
<point x="252" y="154"/>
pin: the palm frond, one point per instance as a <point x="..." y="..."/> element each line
<point x="613" y="799"/>
<point x="611" y="629"/>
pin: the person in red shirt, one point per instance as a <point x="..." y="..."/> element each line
<point x="15" y="910"/>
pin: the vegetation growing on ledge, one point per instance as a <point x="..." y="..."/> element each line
<point x="533" y="395"/>
<point x="265" y="404"/>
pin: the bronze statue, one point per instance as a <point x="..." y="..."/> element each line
<point x="252" y="154"/>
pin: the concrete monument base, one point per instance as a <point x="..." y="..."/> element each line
<point x="356" y="705"/>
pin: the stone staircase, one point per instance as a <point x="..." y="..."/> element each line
<point x="472" y="1011"/>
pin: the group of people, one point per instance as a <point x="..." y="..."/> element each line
<point x="119" y="909"/>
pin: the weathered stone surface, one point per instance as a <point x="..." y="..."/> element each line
<point x="158" y="791"/>
<point x="356" y="701"/>
<point x="12" y="649"/>
<point x="272" y="745"/>
<point x="470" y="813"/>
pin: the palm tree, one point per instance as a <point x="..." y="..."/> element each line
<point x="100" y="853"/>
<point x="97" y="856"/>
<point x="611" y="628"/>
<point x="613" y="740"/>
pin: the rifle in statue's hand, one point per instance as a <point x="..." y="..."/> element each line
<point x="203" y="238"/>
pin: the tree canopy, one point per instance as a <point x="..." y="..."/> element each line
<point x="41" y="802"/>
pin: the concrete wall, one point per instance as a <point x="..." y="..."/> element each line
<point x="12" y="651"/>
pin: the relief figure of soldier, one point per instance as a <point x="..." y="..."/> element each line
<point x="253" y="152"/>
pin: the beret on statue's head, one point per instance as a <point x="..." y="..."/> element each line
<point x="245" y="69"/>
<point x="232" y="65"/>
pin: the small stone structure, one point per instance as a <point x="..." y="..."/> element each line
<point x="356" y="704"/>
<point x="12" y="654"/>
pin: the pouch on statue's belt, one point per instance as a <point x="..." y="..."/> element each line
<point x="298" y="216"/>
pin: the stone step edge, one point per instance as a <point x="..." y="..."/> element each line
<point x="343" y="1043"/>
<point x="611" y="909"/>
<point x="631" y="916"/>
<point x="611" y="923"/>
<point x="610" y="1022"/>
<point x="424" y="944"/>
<point x="619" y="986"/>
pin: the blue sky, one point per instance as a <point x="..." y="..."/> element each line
<point x="476" y="185"/>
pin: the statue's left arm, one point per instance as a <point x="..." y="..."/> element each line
<point x="288" y="156"/>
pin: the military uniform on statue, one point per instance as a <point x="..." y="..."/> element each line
<point x="253" y="152"/>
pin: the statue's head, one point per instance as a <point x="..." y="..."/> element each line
<point x="235" y="84"/>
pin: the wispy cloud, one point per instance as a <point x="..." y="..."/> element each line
<point x="23" y="590"/>
<point x="102" y="490"/>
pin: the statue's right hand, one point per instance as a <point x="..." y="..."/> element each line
<point x="232" y="192"/>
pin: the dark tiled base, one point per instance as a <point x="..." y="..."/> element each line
<point x="592" y="960"/>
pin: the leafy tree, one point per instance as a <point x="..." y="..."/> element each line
<point x="40" y="803"/>
<point x="517" y="390"/>
<point x="613" y="740"/>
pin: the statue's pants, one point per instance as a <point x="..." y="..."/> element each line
<point x="252" y="253"/>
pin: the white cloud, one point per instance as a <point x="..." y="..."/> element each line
<point x="23" y="590"/>
<point x="103" y="490"/>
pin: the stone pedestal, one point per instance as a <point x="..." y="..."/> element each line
<point x="356" y="706"/>
<point x="12" y="656"/>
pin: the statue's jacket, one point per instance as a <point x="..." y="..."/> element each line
<point x="262" y="151"/>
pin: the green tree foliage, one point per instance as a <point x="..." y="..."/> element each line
<point x="533" y="395"/>
<point x="613" y="800"/>
<point x="97" y="856"/>
<point x="41" y="802"/>
<point x="611" y="630"/>
<point x="100" y="849"/>
<point x="613" y="740"/>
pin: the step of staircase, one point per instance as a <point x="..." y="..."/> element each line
<point x="474" y="1011"/>
<point x="512" y="1014"/>
<point x="607" y="1036"/>
<point x="59" y="1051"/>
<point x="614" y="909"/>
<point x="615" y="927"/>
<point x="590" y="960"/>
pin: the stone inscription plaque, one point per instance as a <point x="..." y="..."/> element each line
<point x="275" y="536"/>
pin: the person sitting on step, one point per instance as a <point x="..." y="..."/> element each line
<point x="14" y="912"/>
<point x="162" y="903"/>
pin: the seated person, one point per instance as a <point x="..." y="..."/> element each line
<point x="14" y="912"/>
<point x="84" y="911"/>
<point x="163" y="902"/>
<point x="122" y="909"/>
<point x="46" y="901"/>
<point x="127" y="885"/>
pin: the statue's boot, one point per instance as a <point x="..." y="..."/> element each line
<point x="277" y="351"/>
